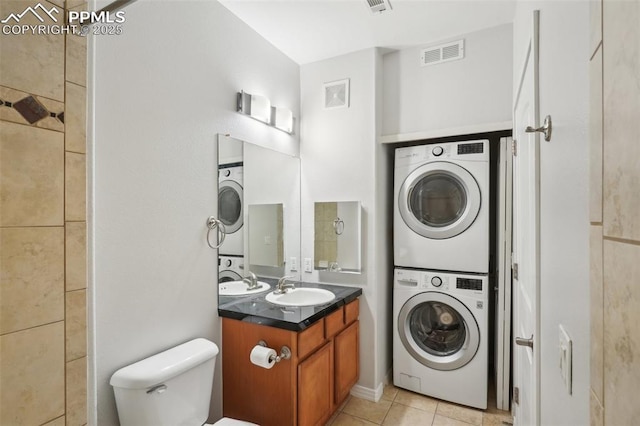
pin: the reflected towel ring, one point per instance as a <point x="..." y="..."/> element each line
<point x="213" y="223"/>
<point x="338" y="226"/>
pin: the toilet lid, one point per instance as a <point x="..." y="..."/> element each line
<point x="226" y="421"/>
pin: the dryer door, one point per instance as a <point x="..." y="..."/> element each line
<point x="439" y="200"/>
<point x="230" y="205"/>
<point x="438" y="330"/>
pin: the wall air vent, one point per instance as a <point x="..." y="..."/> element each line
<point x="378" y="6"/>
<point x="443" y="53"/>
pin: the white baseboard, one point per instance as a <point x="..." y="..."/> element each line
<point x="368" y="393"/>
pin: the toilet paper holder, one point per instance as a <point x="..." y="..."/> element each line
<point x="285" y="352"/>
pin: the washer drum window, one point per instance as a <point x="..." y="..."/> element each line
<point x="230" y="205"/>
<point x="438" y="330"/>
<point x="439" y="200"/>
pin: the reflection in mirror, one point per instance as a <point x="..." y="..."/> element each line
<point x="266" y="238"/>
<point x="253" y="175"/>
<point x="337" y="241"/>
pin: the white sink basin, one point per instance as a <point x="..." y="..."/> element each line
<point x="239" y="288"/>
<point x="301" y="297"/>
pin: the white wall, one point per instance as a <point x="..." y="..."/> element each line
<point x="338" y="154"/>
<point x="474" y="90"/>
<point x="162" y="90"/>
<point x="564" y="222"/>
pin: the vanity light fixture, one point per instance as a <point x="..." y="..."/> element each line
<point x="282" y="118"/>
<point x="259" y="107"/>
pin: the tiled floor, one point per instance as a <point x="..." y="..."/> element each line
<point x="399" y="407"/>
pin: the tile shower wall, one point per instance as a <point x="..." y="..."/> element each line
<point x="42" y="224"/>
<point x="615" y="202"/>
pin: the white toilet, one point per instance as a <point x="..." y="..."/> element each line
<point x="171" y="388"/>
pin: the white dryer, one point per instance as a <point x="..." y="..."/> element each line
<point x="440" y="338"/>
<point x="231" y="208"/>
<point x="230" y="268"/>
<point x="441" y="206"/>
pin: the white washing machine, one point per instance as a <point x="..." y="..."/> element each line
<point x="231" y="208"/>
<point x="230" y="268"/>
<point x="440" y="335"/>
<point x="441" y="206"/>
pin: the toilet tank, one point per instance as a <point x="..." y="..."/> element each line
<point x="171" y="388"/>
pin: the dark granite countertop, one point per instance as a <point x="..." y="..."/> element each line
<point x="257" y="310"/>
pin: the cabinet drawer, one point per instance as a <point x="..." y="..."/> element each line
<point x="351" y="311"/>
<point x="334" y="322"/>
<point x="310" y="339"/>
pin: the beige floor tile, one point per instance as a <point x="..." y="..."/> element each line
<point x="416" y="400"/>
<point x="75" y="118"/>
<point x="32" y="279"/>
<point x="402" y="415"/>
<point x="439" y="420"/>
<point x="491" y="419"/>
<point x="77" y="392"/>
<point x="32" y="63"/>
<point x="76" y="255"/>
<point x="344" y="403"/>
<point x="390" y="392"/>
<point x="76" y="324"/>
<point x="32" y="367"/>
<point x="31" y="176"/>
<point x="458" y="412"/>
<point x="75" y="187"/>
<point x="372" y="411"/>
<point x="343" y="419"/>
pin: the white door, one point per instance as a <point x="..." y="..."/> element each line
<point x="526" y="199"/>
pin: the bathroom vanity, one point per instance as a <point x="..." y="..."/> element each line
<point x="305" y="389"/>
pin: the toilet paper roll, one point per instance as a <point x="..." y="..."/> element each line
<point x="262" y="356"/>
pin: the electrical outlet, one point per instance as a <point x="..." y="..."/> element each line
<point x="308" y="266"/>
<point x="565" y="355"/>
<point x="293" y="262"/>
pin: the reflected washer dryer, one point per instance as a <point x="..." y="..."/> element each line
<point x="230" y="268"/>
<point x="440" y="339"/>
<point x="441" y="206"/>
<point x="231" y="208"/>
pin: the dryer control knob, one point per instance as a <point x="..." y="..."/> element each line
<point x="436" y="281"/>
<point x="226" y="173"/>
<point x="228" y="262"/>
<point x="437" y="151"/>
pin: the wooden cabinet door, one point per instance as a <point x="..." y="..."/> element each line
<point x="346" y="361"/>
<point x="314" y="387"/>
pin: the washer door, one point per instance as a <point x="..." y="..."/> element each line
<point x="439" y="200"/>
<point x="438" y="330"/>
<point x="230" y="205"/>
<point x="228" y="275"/>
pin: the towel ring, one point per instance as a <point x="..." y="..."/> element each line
<point x="338" y="226"/>
<point x="213" y="223"/>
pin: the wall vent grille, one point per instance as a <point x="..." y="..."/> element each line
<point x="378" y="6"/>
<point x="442" y="53"/>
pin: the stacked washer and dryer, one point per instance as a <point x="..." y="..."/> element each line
<point x="231" y="214"/>
<point x="441" y="277"/>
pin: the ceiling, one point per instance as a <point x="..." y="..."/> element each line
<point x="312" y="30"/>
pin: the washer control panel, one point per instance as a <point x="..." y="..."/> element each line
<point x="436" y="281"/>
<point x="437" y="151"/>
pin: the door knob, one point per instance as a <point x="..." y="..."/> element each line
<point x="546" y="128"/>
<point x="521" y="341"/>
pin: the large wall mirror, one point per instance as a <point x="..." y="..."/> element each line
<point x="259" y="205"/>
<point x="337" y="236"/>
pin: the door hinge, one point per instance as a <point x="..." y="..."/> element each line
<point x="516" y="395"/>
<point x="514" y="268"/>
<point x="514" y="147"/>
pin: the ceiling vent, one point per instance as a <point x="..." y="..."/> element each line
<point x="378" y="6"/>
<point x="443" y="53"/>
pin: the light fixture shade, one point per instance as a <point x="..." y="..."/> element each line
<point x="260" y="108"/>
<point x="282" y="118"/>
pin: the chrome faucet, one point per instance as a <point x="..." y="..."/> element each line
<point x="282" y="286"/>
<point x="333" y="267"/>
<point x="251" y="281"/>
